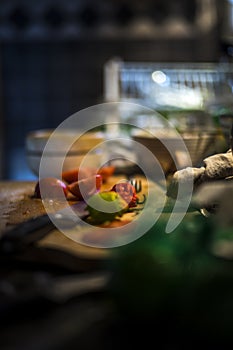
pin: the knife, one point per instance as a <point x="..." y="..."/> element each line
<point x="36" y="228"/>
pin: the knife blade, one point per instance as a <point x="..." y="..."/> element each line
<point x="36" y="228"/>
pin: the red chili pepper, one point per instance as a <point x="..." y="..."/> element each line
<point x="85" y="187"/>
<point x="127" y="192"/>
<point x="51" y="188"/>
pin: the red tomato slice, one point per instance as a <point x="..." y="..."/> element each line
<point x="127" y="192"/>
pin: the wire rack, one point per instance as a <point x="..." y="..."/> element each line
<point x="187" y="94"/>
<point x="167" y="85"/>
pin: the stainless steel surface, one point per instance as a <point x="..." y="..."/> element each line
<point x="183" y="85"/>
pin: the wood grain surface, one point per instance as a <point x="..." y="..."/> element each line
<point x="17" y="205"/>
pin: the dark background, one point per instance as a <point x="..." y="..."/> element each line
<point x="52" y="56"/>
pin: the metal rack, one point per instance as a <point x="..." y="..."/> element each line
<point x="168" y="85"/>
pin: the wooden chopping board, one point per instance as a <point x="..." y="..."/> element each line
<point x="18" y="205"/>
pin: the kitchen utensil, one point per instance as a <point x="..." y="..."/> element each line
<point x="34" y="229"/>
<point x="137" y="184"/>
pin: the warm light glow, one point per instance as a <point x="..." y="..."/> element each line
<point x="159" y="77"/>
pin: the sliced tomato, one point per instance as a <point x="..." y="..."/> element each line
<point x="85" y="187"/>
<point x="127" y="192"/>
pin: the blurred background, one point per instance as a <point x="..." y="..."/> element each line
<point x="54" y="56"/>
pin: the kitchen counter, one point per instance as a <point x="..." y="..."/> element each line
<point x="58" y="294"/>
<point x="17" y="205"/>
<point x="51" y="291"/>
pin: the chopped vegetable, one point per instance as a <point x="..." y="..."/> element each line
<point x="51" y="188"/>
<point x="106" y="172"/>
<point x="106" y="206"/>
<point x="127" y="192"/>
<point x="70" y="175"/>
<point x="85" y="187"/>
<point x="76" y="174"/>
